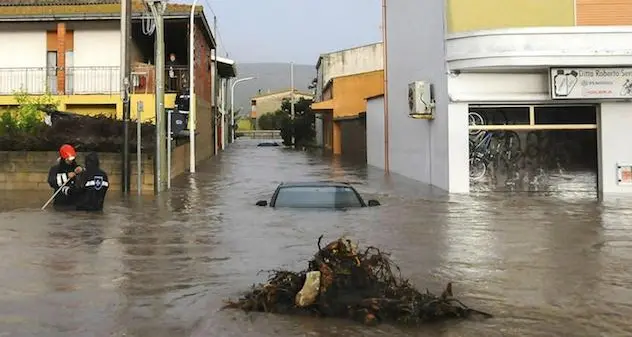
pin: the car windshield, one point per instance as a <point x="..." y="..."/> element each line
<point x="317" y="197"/>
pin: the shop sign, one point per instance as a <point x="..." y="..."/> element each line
<point x="591" y="83"/>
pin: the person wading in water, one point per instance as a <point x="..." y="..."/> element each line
<point x="92" y="186"/>
<point x="61" y="176"/>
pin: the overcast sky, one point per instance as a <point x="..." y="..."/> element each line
<point x="293" y="30"/>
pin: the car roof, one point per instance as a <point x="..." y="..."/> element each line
<point x="315" y="184"/>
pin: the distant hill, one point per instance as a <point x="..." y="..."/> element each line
<point x="269" y="77"/>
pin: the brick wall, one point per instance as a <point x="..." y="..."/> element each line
<point x="29" y="170"/>
<point x="204" y="140"/>
<point x="202" y="68"/>
<point x="61" y="57"/>
<point x="205" y="146"/>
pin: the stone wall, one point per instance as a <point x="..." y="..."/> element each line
<point x="29" y="170"/>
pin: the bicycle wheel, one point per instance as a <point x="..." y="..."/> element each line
<point x="478" y="168"/>
<point x="475" y="119"/>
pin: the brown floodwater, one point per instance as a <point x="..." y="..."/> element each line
<point x="556" y="264"/>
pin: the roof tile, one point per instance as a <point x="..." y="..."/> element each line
<point x="78" y="7"/>
<point x="56" y="2"/>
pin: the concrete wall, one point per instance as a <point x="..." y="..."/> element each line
<point x="90" y="104"/>
<point x="375" y="132"/>
<point x="466" y="15"/>
<point x="29" y="170"/>
<point x="614" y="132"/>
<point x="349" y="100"/>
<point x="346" y="62"/>
<point x="419" y="149"/>
<point x="350" y="92"/>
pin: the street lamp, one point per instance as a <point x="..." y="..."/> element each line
<point x="232" y="104"/>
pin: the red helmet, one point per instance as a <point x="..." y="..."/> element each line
<point x="66" y="151"/>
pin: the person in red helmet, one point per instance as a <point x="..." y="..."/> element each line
<point x="62" y="175"/>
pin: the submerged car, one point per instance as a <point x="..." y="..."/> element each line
<point x="316" y="195"/>
<point x="267" y="144"/>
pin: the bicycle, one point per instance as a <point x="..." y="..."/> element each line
<point x="509" y="157"/>
<point x="475" y="119"/>
<point x="486" y="154"/>
<point x="492" y="150"/>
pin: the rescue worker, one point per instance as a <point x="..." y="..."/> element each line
<point x="92" y="186"/>
<point x="62" y="174"/>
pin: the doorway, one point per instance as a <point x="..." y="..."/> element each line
<point x="533" y="148"/>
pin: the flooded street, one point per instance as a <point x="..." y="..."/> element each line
<point x="556" y="265"/>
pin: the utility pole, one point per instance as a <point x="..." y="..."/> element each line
<point x="215" y="86"/>
<point x="292" y="103"/>
<point x="125" y="72"/>
<point x="158" y="8"/>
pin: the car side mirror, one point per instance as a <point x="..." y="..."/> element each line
<point x="262" y="203"/>
<point x="373" y="203"/>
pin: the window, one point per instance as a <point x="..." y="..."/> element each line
<point x="51" y="71"/>
<point x="317" y="197"/>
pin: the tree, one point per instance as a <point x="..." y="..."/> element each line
<point x="27" y="117"/>
<point x="302" y="127"/>
<point x="272" y="121"/>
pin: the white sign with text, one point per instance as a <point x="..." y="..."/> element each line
<point x="591" y="83"/>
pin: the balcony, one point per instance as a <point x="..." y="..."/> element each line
<point x="88" y="80"/>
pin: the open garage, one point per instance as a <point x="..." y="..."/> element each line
<point x="533" y="148"/>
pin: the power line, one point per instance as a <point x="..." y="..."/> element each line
<point x="218" y="32"/>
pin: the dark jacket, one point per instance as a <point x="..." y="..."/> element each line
<point x="92" y="186"/>
<point x="57" y="176"/>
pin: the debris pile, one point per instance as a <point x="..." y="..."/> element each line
<point x="343" y="282"/>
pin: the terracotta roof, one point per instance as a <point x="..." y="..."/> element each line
<point x="79" y="7"/>
<point x="37" y="10"/>
<point x="55" y="2"/>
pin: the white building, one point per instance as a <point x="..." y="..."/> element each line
<point x="226" y="72"/>
<point x="498" y="67"/>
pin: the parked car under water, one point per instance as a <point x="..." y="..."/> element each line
<point x="317" y="195"/>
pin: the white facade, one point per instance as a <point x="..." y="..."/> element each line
<point x="96" y="60"/>
<point x="28" y="50"/>
<point x="375" y="132"/>
<point x="348" y="62"/>
<point x="92" y="66"/>
<point x="505" y="66"/>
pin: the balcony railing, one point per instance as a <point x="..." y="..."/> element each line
<point x="76" y="80"/>
<point x="88" y="80"/>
